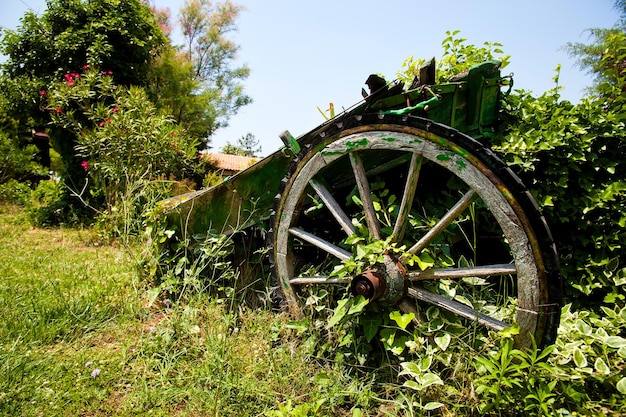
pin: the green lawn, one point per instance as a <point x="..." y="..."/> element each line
<point x="78" y="338"/>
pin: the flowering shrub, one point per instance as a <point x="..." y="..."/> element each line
<point x="121" y="138"/>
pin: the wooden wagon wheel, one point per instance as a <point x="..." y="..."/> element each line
<point x="486" y="254"/>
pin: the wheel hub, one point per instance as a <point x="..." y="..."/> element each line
<point x="385" y="283"/>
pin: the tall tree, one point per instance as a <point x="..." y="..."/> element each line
<point x="118" y="36"/>
<point x="212" y="54"/>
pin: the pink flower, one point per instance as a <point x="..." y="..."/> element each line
<point x="42" y="92"/>
<point x="86" y="66"/>
<point x="85" y="165"/>
<point x="114" y="109"/>
<point x="58" y="110"/>
<point x="101" y="124"/>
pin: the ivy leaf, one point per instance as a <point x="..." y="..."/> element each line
<point x="443" y="341"/>
<point x="358" y="304"/>
<point x="616" y="342"/>
<point x="370" y="326"/>
<point x="338" y="313"/>
<point x="602" y="367"/>
<point x="579" y="358"/>
<point x="621" y="385"/>
<point x="402" y="320"/>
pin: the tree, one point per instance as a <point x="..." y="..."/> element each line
<point x="247" y="145"/>
<point x="120" y="37"/>
<point x="212" y="55"/>
<point x="601" y="57"/>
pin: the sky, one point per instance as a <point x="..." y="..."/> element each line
<point x="307" y="54"/>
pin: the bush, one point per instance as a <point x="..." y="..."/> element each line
<point x="122" y="145"/>
<point x="15" y="192"/>
<point x="17" y="162"/>
<point x="571" y="157"/>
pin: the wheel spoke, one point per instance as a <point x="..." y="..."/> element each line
<point x="444" y="222"/>
<point x="459" y="273"/>
<point x="337" y="212"/>
<point x="318" y="280"/>
<point x="324" y="245"/>
<point x="366" y="197"/>
<point x="407" y="197"/>
<point x="379" y="169"/>
<point x="456" y="307"/>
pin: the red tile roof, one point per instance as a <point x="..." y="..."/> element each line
<point x="230" y="162"/>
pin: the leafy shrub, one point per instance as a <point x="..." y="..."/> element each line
<point x="15" y="192"/>
<point x="17" y="162"/>
<point x="48" y="205"/>
<point x="572" y="159"/>
<point x="126" y="149"/>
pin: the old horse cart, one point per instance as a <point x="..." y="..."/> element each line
<point x="404" y="188"/>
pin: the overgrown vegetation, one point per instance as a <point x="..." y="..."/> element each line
<point x="85" y="333"/>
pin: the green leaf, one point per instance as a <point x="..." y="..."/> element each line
<point x="357" y="412"/>
<point x="443" y="341"/>
<point x="433" y="405"/>
<point x="402" y="320"/>
<point x="410" y="368"/>
<point x="579" y="358"/>
<point x="370" y="326"/>
<point x="338" y="313"/>
<point x="425" y="261"/>
<point x="429" y="379"/>
<point x="616" y="342"/>
<point x="299" y="326"/>
<point x="621" y="385"/>
<point x="358" y="304"/>
<point x="602" y="367"/>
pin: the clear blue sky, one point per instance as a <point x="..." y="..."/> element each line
<point x="305" y="54"/>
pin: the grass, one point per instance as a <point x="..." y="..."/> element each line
<point x="79" y="338"/>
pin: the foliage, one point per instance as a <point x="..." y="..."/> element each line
<point x="601" y="57"/>
<point x="121" y="37"/>
<point x="126" y="147"/>
<point x="571" y="157"/>
<point x="18" y="156"/>
<point x="212" y="55"/>
<point x="15" y="192"/>
<point x="17" y="162"/>
<point x="246" y="145"/>
<point x="173" y="89"/>
<point x="458" y="56"/>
